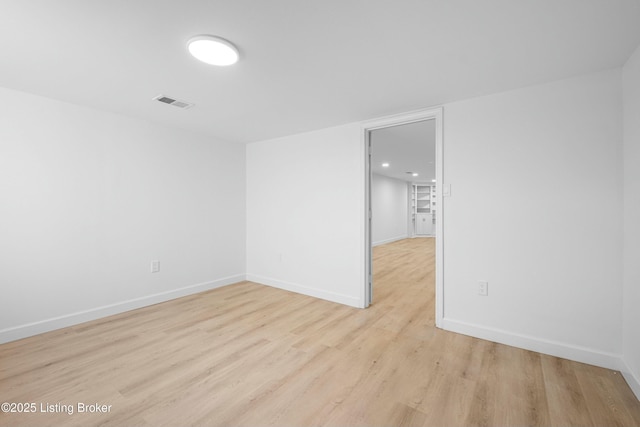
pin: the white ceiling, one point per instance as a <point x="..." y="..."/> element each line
<point x="407" y="148"/>
<point x="304" y="64"/>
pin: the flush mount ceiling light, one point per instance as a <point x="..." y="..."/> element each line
<point x="213" y="50"/>
<point x="415" y="174"/>
<point x="385" y="165"/>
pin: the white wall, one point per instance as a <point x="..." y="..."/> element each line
<point x="305" y="215"/>
<point x="536" y="210"/>
<point x="631" y="289"/>
<point x="389" y="207"/>
<point x="89" y="198"/>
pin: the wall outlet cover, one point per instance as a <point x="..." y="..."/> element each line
<point x="483" y="288"/>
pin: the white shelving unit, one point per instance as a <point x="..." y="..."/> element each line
<point x="423" y="202"/>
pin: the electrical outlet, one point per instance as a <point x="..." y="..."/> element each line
<point x="155" y="266"/>
<point x="483" y="288"/>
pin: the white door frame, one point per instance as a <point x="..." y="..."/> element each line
<point x="381" y="123"/>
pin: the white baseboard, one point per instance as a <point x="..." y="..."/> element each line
<point x="35" y="328"/>
<point x="553" y="348"/>
<point x="304" y="290"/>
<point x="632" y="380"/>
<point x="393" y="239"/>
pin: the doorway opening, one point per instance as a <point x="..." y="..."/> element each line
<point x="403" y="157"/>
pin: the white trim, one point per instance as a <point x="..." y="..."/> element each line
<point x="400" y="119"/>
<point x="632" y="380"/>
<point x="392" y="239"/>
<point x="35" y="328"/>
<point x="540" y="345"/>
<point x="305" y="290"/>
<point x="366" y="295"/>
<point x="440" y="184"/>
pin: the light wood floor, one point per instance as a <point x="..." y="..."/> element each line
<point x="252" y="355"/>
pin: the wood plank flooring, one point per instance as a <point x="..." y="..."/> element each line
<point x="251" y="355"/>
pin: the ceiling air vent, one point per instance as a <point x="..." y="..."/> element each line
<point x="174" y="102"/>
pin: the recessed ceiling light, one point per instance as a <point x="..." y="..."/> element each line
<point x="433" y="180"/>
<point x="213" y="50"/>
<point x="385" y="165"/>
<point x="415" y="174"/>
